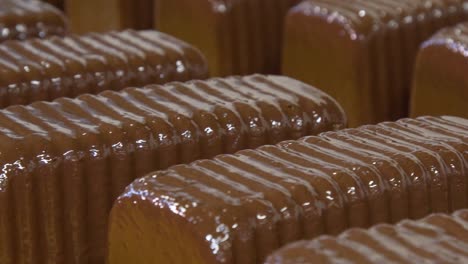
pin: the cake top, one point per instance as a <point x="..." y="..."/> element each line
<point x="455" y="38"/>
<point x="23" y="19"/>
<point x="362" y="17"/>
<point x="74" y="56"/>
<point x="438" y="238"/>
<point x="174" y="103"/>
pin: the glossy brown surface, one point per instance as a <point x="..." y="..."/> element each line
<point x="239" y="208"/>
<point x="440" y="83"/>
<point x="438" y="238"/>
<point x="30" y="19"/>
<point x="105" y="15"/>
<point x="37" y="70"/>
<point x="64" y="162"/>
<point x="362" y="52"/>
<point x="237" y="36"/>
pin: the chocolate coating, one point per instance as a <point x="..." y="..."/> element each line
<point x="30" y="19"/>
<point x="109" y="15"/>
<point x="64" y="162"/>
<point x="438" y="238"/>
<point x="363" y="52"/>
<point x="36" y="70"/>
<point x="440" y="83"/>
<point x="237" y="36"/>
<point x="239" y="208"/>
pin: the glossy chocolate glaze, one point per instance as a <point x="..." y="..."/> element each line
<point x="370" y="45"/>
<point x="440" y="84"/>
<point x="438" y="238"/>
<point x="30" y="19"/>
<point x="35" y="70"/>
<point x="237" y="37"/>
<point x="239" y="208"/>
<point x="65" y="162"/>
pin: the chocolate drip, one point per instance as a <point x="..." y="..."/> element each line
<point x="294" y="190"/>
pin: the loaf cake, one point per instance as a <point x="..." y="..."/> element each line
<point x="106" y="15"/>
<point x="438" y="238"/>
<point x="239" y="208"/>
<point x="30" y="19"/>
<point x="362" y="52"/>
<point x="64" y="162"/>
<point x="237" y="37"/>
<point x="440" y="85"/>
<point x="36" y="69"/>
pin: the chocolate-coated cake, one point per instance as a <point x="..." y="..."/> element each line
<point x="36" y="69"/>
<point x="438" y="238"/>
<point x="237" y="36"/>
<point x="30" y="19"/>
<point x="440" y="84"/>
<point x="239" y="208"/>
<point x="64" y="162"/>
<point x="362" y="52"/>
<point x="106" y="15"/>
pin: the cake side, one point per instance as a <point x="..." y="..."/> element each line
<point x="440" y="85"/>
<point x="376" y="63"/>
<point x="336" y="54"/>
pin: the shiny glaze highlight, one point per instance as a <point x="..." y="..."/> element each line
<point x="239" y="208"/>
<point x="21" y="20"/>
<point x="438" y="238"/>
<point x="64" y="162"/>
<point x="36" y="70"/>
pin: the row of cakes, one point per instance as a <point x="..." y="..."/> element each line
<point x="65" y="162"/>
<point x="382" y="50"/>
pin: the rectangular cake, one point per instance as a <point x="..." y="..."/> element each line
<point x="440" y="85"/>
<point x="240" y="208"/>
<point x="362" y="52"/>
<point x="64" y="162"/>
<point x="237" y="36"/>
<point x="438" y="238"/>
<point x="30" y="19"/>
<point x="46" y="69"/>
